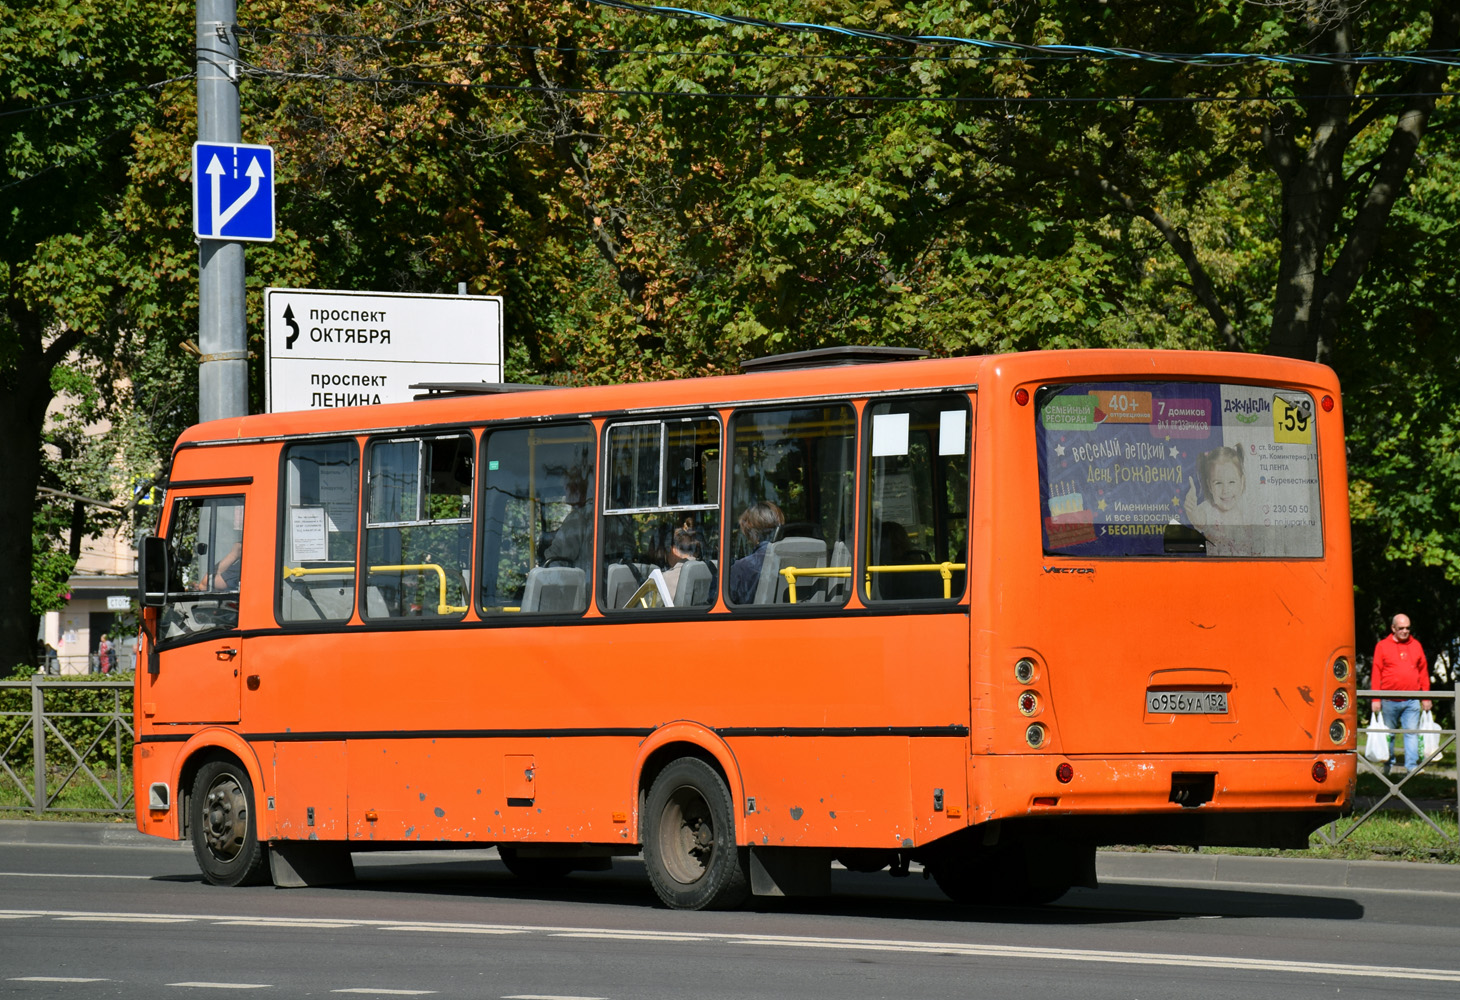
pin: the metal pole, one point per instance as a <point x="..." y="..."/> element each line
<point x="223" y="371"/>
<point x="38" y="744"/>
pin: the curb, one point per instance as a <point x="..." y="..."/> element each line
<point x="1163" y="866"/>
<point x="1112" y="866"/>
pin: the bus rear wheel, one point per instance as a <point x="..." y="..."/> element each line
<point x="221" y="824"/>
<point x="689" y="840"/>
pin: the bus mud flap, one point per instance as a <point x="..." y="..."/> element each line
<point x="790" y="871"/>
<point x="294" y="864"/>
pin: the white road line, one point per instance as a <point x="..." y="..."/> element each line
<point x="547" y="996"/>
<point x="297" y="923"/>
<point x="951" y="948"/>
<point x="385" y="993"/>
<point x="109" y="918"/>
<point x="226" y="986"/>
<point x="145" y="878"/>
<point x="55" y="979"/>
<point x="456" y="929"/>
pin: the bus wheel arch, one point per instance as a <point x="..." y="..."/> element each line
<point x="690" y="852"/>
<point x="686" y="739"/>
<point x="229" y="776"/>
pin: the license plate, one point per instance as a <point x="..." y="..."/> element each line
<point x="1186" y="702"/>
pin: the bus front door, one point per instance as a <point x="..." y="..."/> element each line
<point x="199" y="653"/>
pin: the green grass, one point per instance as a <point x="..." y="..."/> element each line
<point x="79" y="800"/>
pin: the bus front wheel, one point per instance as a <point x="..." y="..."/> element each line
<point x="221" y="824"/>
<point x="689" y="839"/>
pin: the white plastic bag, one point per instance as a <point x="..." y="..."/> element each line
<point x="1376" y="747"/>
<point x="1429" y="736"/>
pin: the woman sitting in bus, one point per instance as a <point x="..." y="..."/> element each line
<point x="685" y="548"/>
<point x="758" y="523"/>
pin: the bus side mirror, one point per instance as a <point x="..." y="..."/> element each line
<point x="152" y="572"/>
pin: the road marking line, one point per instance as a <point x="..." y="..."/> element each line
<point x="547" y="996"/>
<point x="953" y="948"/>
<point x="144" y="878"/>
<point x="448" y="929"/>
<point x="389" y="993"/>
<point x="106" y="918"/>
<point x="295" y="923"/>
<point x="226" y="986"/>
<point x="55" y="979"/>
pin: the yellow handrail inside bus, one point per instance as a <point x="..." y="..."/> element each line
<point x="845" y="572"/>
<point x="442" y="608"/>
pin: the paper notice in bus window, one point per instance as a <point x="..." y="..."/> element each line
<point x="952" y="432"/>
<point x="889" y="434"/>
<point x="309" y="540"/>
<point x="1183" y="470"/>
<point x="337" y="494"/>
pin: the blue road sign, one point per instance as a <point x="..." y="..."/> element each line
<point x="233" y="191"/>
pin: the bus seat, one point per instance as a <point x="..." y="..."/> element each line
<point x="695" y="583"/>
<point x="375" y="606"/>
<point x="801" y="552"/>
<point x="838" y="587"/>
<point x="618" y="583"/>
<point x="554" y="588"/>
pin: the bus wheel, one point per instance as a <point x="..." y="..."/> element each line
<point x="221" y="821"/>
<point x="534" y="870"/>
<point x="689" y="840"/>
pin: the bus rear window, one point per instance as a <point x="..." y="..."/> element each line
<point x="1178" y="469"/>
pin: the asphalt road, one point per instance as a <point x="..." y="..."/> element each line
<point x="106" y="916"/>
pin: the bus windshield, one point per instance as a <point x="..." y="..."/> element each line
<point x="1178" y="469"/>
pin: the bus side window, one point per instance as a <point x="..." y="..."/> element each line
<point x="205" y="549"/>
<point x="537" y="505"/>
<point x="661" y="517"/>
<point x="917" y="488"/>
<point x="321" y="512"/>
<point x="792" y="493"/>
<point x="418" y="527"/>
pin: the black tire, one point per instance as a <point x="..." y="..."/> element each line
<point x="537" y="871"/>
<point x="222" y="828"/>
<point x="689" y="840"/>
<point x="1000" y="877"/>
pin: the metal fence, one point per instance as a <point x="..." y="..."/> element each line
<point x="67" y="735"/>
<point x="1394" y="790"/>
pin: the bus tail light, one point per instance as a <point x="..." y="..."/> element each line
<point x="1035" y="735"/>
<point x="1024" y="670"/>
<point x="1340" y="668"/>
<point x="1028" y="703"/>
<point x="1337" y="732"/>
<point x="1320" y="771"/>
<point x="1340" y="700"/>
<point x="1327" y="403"/>
<point x="1064" y="774"/>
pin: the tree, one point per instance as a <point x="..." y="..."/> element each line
<point x="78" y="78"/>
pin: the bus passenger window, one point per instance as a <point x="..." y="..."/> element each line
<point x="418" y="527"/>
<point x="321" y="516"/>
<point x="537" y="519"/>
<point x="661" y="518"/>
<point x="917" y="494"/>
<point x="205" y="549"/>
<point x="792" y="492"/>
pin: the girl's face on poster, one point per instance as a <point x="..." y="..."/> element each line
<point x="1226" y="485"/>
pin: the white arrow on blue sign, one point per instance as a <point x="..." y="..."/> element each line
<point x="233" y="191"/>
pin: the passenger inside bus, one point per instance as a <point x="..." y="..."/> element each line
<point x="758" y="523"/>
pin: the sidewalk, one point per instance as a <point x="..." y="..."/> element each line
<point x="1114" y="866"/>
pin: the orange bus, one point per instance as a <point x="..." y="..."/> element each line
<point x="981" y="614"/>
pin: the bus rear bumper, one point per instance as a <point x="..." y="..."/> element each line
<point x="1269" y="800"/>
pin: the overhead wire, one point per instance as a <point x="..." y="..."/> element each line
<point x="1443" y="57"/>
<point x="96" y="97"/>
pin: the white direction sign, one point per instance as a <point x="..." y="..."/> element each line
<point x="233" y="191"/>
<point x="335" y="348"/>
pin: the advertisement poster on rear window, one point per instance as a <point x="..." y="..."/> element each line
<point x="1178" y="469"/>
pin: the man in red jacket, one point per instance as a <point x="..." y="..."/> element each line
<point x="1400" y="665"/>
